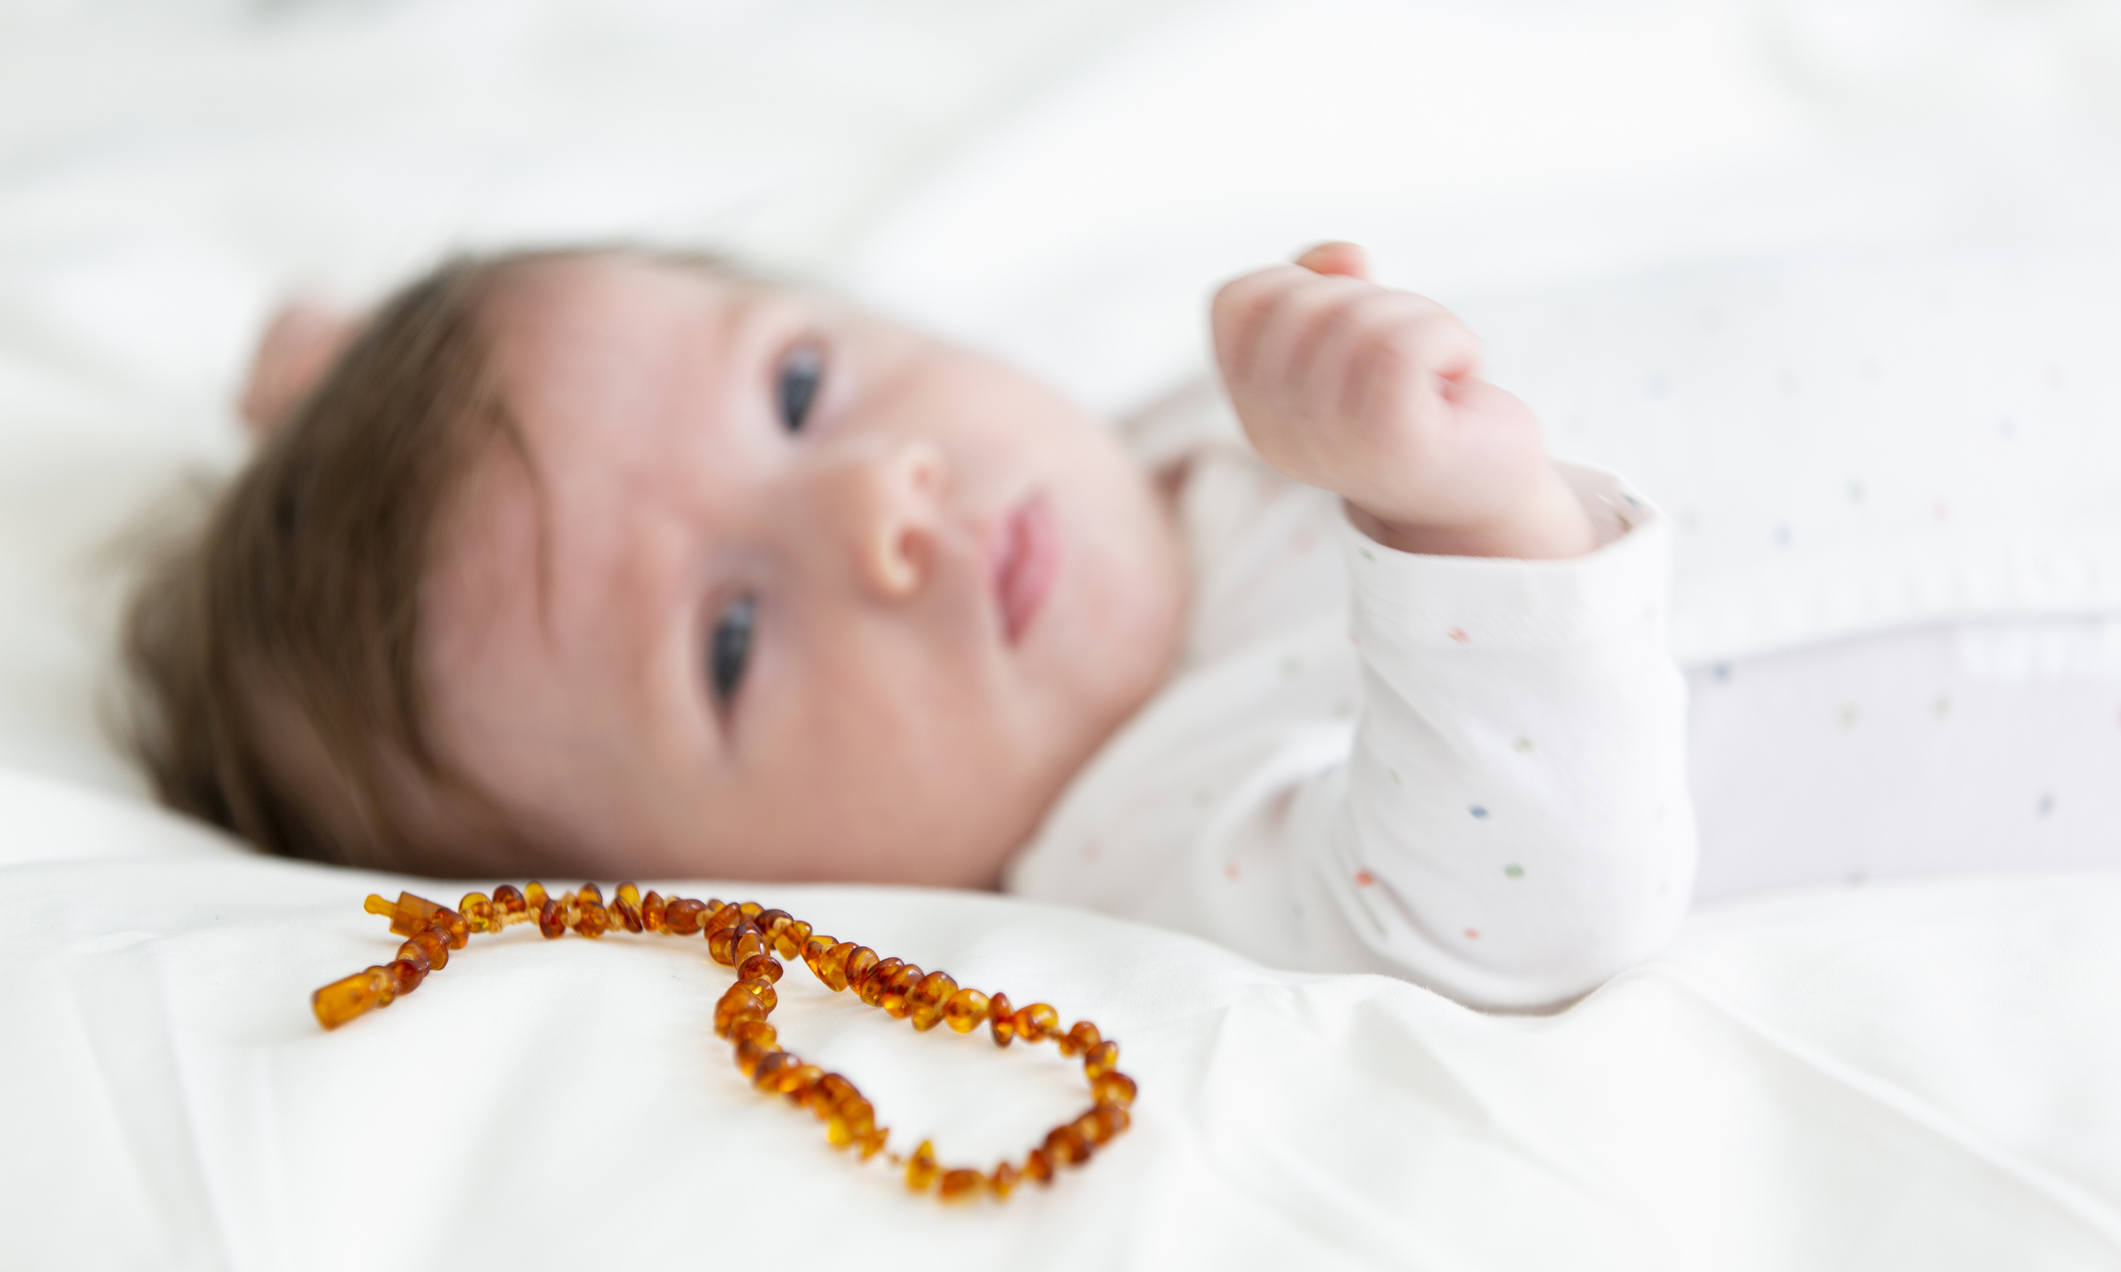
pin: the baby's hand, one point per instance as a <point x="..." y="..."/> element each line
<point x="1375" y="395"/>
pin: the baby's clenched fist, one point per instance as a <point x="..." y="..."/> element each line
<point x="1375" y="394"/>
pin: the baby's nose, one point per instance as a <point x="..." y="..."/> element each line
<point x="902" y="492"/>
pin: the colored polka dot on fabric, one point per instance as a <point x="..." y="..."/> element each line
<point x="1364" y="879"/>
<point x="1848" y="717"/>
<point x="1230" y="872"/>
<point x="2047" y="805"/>
<point x="1523" y="746"/>
<point x="1782" y="536"/>
<point x="1458" y="634"/>
<point x="1472" y="934"/>
<point x="1478" y="811"/>
<point x="1513" y="871"/>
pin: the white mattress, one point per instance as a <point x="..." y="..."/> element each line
<point x="1808" y="272"/>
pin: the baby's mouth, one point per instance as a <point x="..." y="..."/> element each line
<point x="1025" y="559"/>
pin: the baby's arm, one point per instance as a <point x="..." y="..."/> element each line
<point x="1513" y="824"/>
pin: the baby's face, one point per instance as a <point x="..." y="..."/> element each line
<point x="785" y="591"/>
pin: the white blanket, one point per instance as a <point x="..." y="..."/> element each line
<point x="1915" y="1077"/>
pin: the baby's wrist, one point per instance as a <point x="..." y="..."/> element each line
<point x="1549" y="523"/>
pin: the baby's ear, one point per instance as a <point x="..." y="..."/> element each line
<point x="298" y="346"/>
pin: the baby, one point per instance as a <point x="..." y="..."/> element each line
<point x="615" y="563"/>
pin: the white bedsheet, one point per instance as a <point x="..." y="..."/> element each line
<point x="1914" y="1076"/>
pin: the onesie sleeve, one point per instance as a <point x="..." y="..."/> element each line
<point x="1513" y="824"/>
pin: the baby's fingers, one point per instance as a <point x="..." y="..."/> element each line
<point x="1240" y="315"/>
<point x="1411" y="366"/>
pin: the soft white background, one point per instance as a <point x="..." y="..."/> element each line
<point x="1809" y="272"/>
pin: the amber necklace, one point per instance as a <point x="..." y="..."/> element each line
<point x="747" y="938"/>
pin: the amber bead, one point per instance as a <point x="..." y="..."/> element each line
<point x="872" y="987"/>
<point x="406" y="975"/>
<point x="768" y="1072"/>
<point x="447" y="920"/>
<point x="1004" y="1179"/>
<point x="591" y="918"/>
<point x="736" y="1006"/>
<point x="682" y="916"/>
<point x="921" y="1169"/>
<point x="1094" y="1129"/>
<point x="933" y="990"/>
<point x="1000" y="1017"/>
<point x="797" y="1079"/>
<point x="1065" y="1146"/>
<point x="552" y="920"/>
<point x="590" y="892"/>
<point x="833" y="1090"/>
<point x="790" y="940"/>
<point x="1115" y="1118"/>
<point x="814" y="949"/>
<point x="769" y="922"/>
<point x="414" y="952"/>
<point x="751" y="909"/>
<point x="750" y="1051"/>
<point x="719" y="917"/>
<point x="832" y="965"/>
<point x="626" y="908"/>
<point x="961" y="1185"/>
<point x="924" y="1002"/>
<point x="763" y="991"/>
<point x="1079" y="1039"/>
<point x="1100" y="1060"/>
<point x="1113" y="1088"/>
<point x="431" y="944"/>
<point x="510" y="899"/>
<point x="479" y="913"/>
<point x="893" y="992"/>
<point x="1037" y="1022"/>
<point x="965" y="1010"/>
<point x="860" y="963"/>
<point x="755" y="1031"/>
<point x="858" y="1110"/>
<point x="763" y="967"/>
<point x="748" y="944"/>
<point x="534" y="895"/>
<point x="1038" y="1168"/>
<point x="652" y="910"/>
<point x="718" y="943"/>
<point x="344" y="999"/>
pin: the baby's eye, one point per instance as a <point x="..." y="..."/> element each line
<point x="729" y="649"/>
<point x="801" y="372"/>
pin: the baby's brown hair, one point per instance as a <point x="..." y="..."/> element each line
<point x="277" y="689"/>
